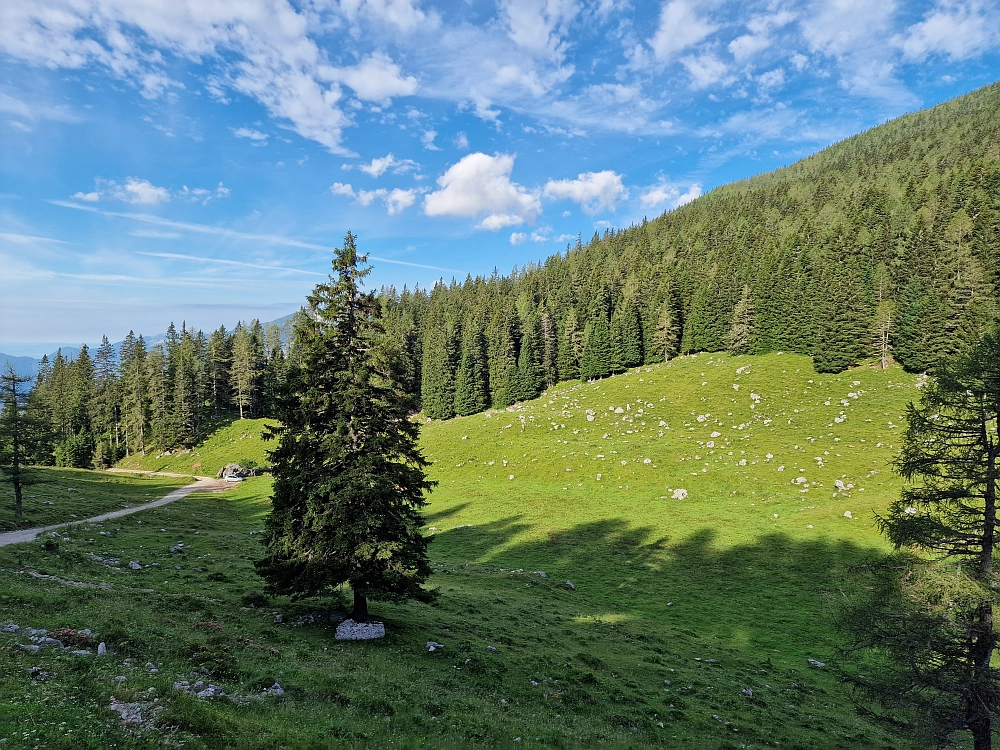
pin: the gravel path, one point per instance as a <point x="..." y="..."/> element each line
<point x="201" y="484"/>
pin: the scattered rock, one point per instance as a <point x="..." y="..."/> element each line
<point x="274" y="690"/>
<point x="815" y="663"/>
<point x="570" y="586"/>
<point x="9" y="628"/>
<point x="541" y="574"/>
<point x="36" y="673"/>
<point x="847" y="514"/>
<point x="81" y="652"/>
<point x="212" y="691"/>
<point x="666" y="682"/>
<point x="133" y="714"/>
<point x="349" y="630"/>
<point x="179" y="547"/>
<point x="278" y="619"/>
<point x="235" y="470"/>
<point x="30" y="648"/>
<point x="748" y="692"/>
<point x="46" y="642"/>
<point x="434" y="646"/>
<point x="680" y="494"/>
<point x="491" y="649"/>
<point x="102" y="649"/>
<point x="315" y="618"/>
<point x="134" y="565"/>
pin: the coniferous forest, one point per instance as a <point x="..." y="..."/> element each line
<point x="883" y="247"/>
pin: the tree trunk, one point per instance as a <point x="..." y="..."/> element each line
<point x="360" y="612"/>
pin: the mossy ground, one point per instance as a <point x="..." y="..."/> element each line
<point x="733" y="573"/>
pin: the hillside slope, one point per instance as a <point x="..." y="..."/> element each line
<point x="886" y="245"/>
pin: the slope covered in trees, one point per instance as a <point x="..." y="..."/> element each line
<point x="884" y="246"/>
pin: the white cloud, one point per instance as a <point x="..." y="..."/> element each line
<point x="33" y="111"/>
<point x="957" y="29"/>
<point x="680" y="27"/>
<point x="480" y="184"/>
<point x="540" y="25"/>
<point x="255" y="136"/>
<point x="259" y="48"/>
<point x="379" y="166"/>
<point x="481" y="106"/>
<point x="747" y="46"/>
<point x="518" y="238"/>
<point x="405" y="15"/>
<point x="594" y="191"/>
<point x="89" y="197"/>
<point x="141" y="192"/>
<point x="773" y="79"/>
<point x="706" y="70"/>
<point x="461" y="142"/>
<point x="427" y="139"/>
<point x="395" y="201"/>
<point x="666" y="193"/>
<point x="376" y="79"/>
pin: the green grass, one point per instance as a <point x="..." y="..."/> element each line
<point x="61" y="495"/>
<point x="233" y="442"/>
<point x="659" y="584"/>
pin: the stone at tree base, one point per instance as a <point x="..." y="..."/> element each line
<point x="349" y="630"/>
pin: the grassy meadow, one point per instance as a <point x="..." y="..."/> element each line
<point x="238" y="441"/>
<point x="689" y="623"/>
<point x="62" y="495"/>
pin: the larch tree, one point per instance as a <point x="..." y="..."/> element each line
<point x="921" y="627"/>
<point x="349" y="479"/>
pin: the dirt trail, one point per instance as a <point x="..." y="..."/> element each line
<point x="201" y="484"/>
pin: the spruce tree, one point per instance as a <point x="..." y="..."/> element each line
<point x="349" y="479"/>
<point x="437" y="388"/>
<point x="626" y="334"/>
<point x="135" y="393"/>
<point x="741" y="336"/>
<point x="595" y="362"/>
<point x="471" y="386"/>
<point x="922" y="625"/>
<point x="667" y="338"/>
<point x="530" y="375"/>
<point x="570" y="347"/>
<point x="502" y="360"/>
<point x="14" y="433"/>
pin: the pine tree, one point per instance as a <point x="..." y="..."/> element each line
<point x="349" y="479"/>
<point x="741" y="336"/>
<point x="471" y="386"/>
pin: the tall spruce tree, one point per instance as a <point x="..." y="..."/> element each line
<point x="741" y="337"/>
<point x="570" y="347"/>
<point x="667" y="338"/>
<point x="530" y="372"/>
<point x="349" y="479"/>
<point x="922" y="626"/>
<point x="626" y="332"/>
<point x="471" y="386"/>
<point x="437" y="388"/>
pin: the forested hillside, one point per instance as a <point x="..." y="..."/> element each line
<point x="883" y="246"/>
<point x="96" y="409"/>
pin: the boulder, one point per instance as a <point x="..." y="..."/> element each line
<point x="235" y="470"/>
<point x="349" y="630"/>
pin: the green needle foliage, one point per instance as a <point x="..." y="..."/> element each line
<point x="349" y="479"/>
<point x="927" y="623"/>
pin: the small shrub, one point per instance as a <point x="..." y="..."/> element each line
<point x="254" y="599"/>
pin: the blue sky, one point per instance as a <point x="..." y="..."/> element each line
<point x="196" y="159"/>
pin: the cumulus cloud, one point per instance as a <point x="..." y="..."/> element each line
<point x="594" y="191"/>
<point x="480" y="184"/>
<point x="680" y="27"/>
<point x="956" y="29"/>
<point x="92" y="197"/>
<point x="379" y="166"/>
<point x="376" y="79"/>
<point x="395" y="201"/>
<point x="667" y="194"/>
<point x="427" y="139"/>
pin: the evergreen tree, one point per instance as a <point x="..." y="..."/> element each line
<point x="161" y="428"/>
<point x="741" y="337"/>
<point x="15" y="429"/>
<point x="550" y="348"/>
<point x="595" y="362"/>
<point x="844" y="323"/>
<point x="135" y="404"/>
<point x="502" y="360"/>
<point x="570" y="347"/>
<point x="217" y="362"/>
<point x="244" y="370"/>
<point x="530" y="374"/>
<point x="349" y="479"/>
<point x="925" y="623"/>
<point x="668" y="332"/>
<point x="885" y="310"/>
<point x="437" y="390"/>
<point x="471" y="386"/>
<point x="626" y="333"/>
